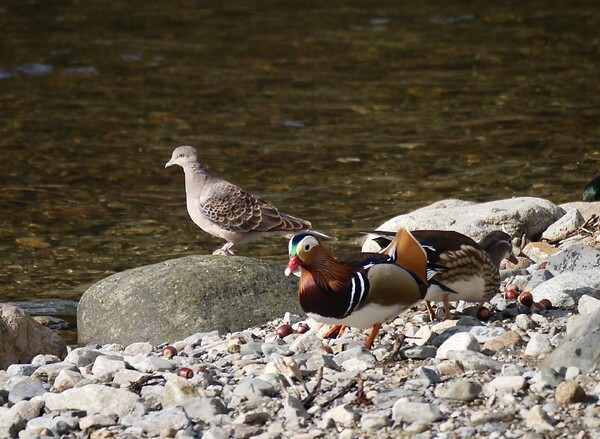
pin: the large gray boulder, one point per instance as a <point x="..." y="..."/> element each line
<point x="580" y="348"/>
<point x="22" y="338"/>
<point x="517" y="216"/>
<point x="173" y="299"/>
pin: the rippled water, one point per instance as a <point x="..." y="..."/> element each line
<point x="337" y="112"/>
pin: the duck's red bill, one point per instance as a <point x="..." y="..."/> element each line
<point x="293" y="265"/>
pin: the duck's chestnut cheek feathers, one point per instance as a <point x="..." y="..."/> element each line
<point x="293" y="264"/>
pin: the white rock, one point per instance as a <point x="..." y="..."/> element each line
<point x="462" y="341"/>
<point x="96" y="422"/>
<point x="356" y="365"/>
<point x="10" y="422"/>
<point x="588" y="305"/>
<point x="66" y="379"/>
<point x="28" y="409"/>
<point x="375" y="421"/>
<point x="525" y="215"/>
<point x="565" y="290"/>
<point x="138" y="348"/>
<point x="96" y="399"/>
<point x="568" y="223"/>
<point x="538" y="344"/>
<point x="81" y="357"/>
<point x="505" y="384"/>
<point x="106" y="366"/>
<point x="150" y="363"/>
<point x="178" y="389"/>
<point x="537" y="419"/>
<point x="306" y="342"/>
<point x="342" y="415"/>
<point x="419" y="412"/>
<point x="151" y="424"/>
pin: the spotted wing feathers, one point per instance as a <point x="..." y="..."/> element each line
<point x="236" y="210"/>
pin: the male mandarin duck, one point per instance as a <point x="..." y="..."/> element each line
<point x="591" y="191"/>
<point x="224" y="210"/>
<point x="458" y="267"/>
<point x="362" y="291"/>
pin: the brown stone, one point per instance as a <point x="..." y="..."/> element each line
<point x="569" y="392"/>
<point x="505" y="341"/>
<point x="22" y="338"/>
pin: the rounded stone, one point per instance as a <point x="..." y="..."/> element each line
<point x="173" y="299"/>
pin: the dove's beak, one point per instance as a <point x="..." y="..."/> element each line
<point x="169" y="163"/>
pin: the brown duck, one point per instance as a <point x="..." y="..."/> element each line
<point x="362" y="291"/>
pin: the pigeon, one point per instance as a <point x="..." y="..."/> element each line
<point x="226" y="211"/>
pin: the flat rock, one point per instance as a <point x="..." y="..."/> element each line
<point x="568" y="223"/>
<point x="96" y="399"/>
<point x="173" y="299"/>
<point x="22" y="337"/>
<point x="565" y="290"/>
<point x="574" y="258"/>
<point x="519" y="216"/>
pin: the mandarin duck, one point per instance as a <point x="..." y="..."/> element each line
<point x="224" y="210"/>
<point x="362" y="291"/>
<point x="458" y="267"/>
<point x="591" y="191"/>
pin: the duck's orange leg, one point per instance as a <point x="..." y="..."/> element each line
<point x="335" y="331"/>
<point x="374" y="332"/>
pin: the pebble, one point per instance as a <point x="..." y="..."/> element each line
<point x="456" y="378"/>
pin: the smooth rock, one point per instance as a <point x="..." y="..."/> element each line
<point x="21" y="369"/>
<point x="96" y="399"/>
<point x="22" y="337"/>
<point x="66" y="379"/>
<point x="508" y="340"/>
<point x="519" y="216"/>
<point x="588" y="305"/>
<point x="96" y="422"/>
<point x="82" y="357"/>
<point x="375" y="421"/>
<point x="203" y="409"/>
<point x="504" y="384"/>
<point x="538" y="278"/>
<point x="343" y="415"/>
<point x="150" y="364"/>
<point x="538" y="344"/>
<point x="25" y="390"/>
<point x="106" y="366"/>
<point x="178" y="389"/>
<point x="184" y="296"/>
<point x="418" y="352"/>
<point x="461" y="341"/>
<point x="138" y="348"/>
<point x="410" y="412"/>
<point x="153" y="423"/>
<point x="564" y="290"/>
<point x="306" y="342"/>
<point x="460" y="390"/>
<point x="580" y="348"/>
<point x="470" y="360"/>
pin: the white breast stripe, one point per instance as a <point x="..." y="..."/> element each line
<point x="352" y="292"/>
<point x="362" y="288"/>
<point x="356" y="299"/>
